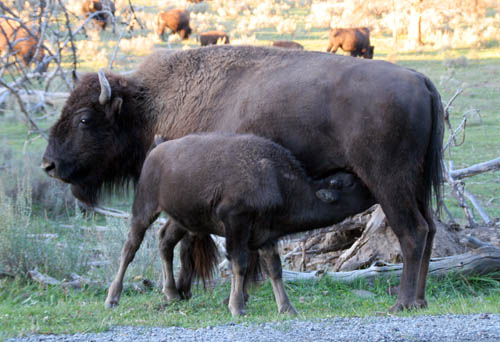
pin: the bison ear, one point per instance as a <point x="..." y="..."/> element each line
<point x="114" y="108"/>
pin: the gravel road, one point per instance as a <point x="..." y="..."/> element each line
<point x="452" y="328"/>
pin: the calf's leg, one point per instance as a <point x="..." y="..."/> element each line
<point x="134" y="240"/>
<point x="170" y="234"/>
<point x="271" y="263"/>
<point x="237" y="234"/>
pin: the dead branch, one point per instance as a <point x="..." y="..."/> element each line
<point x="491" y="165"/>
<point x="457" y="192"/>
<point x="132" y="11"/>
<point x="481" y="261"/>
<point x="23" y="109"/>
<point x="117" y="46"/>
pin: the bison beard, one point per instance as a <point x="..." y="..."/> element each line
<point x="380" y="121"/>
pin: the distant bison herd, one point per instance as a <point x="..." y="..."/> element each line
<point x="17" y="41"/>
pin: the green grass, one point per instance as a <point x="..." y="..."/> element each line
<point x="28" y="309"/>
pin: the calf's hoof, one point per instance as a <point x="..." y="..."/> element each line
<point x="289" y="310"/>
<point x="172" y="296"/>
<point x="237" y="312"/>
<point x="110" y="304"/>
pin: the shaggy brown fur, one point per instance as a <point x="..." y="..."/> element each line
<point x="243" y="187"/>
<point x="175" y="19"/>
<point x="381" y="121"/>
<point x="353" y="40"/>
<point x="92" y="6"/>
<point x="213" y="37"/>
<point x="15" y="38"/>
<point x="286" y="44"/>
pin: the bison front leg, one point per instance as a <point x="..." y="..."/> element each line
<point x="170" y="234"/>
<point x="237" y="234"/>
<point x="271" y="263"/>
<point x="134" y="240"/>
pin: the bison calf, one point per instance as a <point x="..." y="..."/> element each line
<point x="213" y="37"/>
<point x="175" y="19"/>
<point x="353" y="40"/>
<point x="243" y="187"/>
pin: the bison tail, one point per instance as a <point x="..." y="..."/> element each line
<point x="433" y="170"/>
<point x="205" y="257"/>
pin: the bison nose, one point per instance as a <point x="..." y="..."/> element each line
<point x="48" y="167"/>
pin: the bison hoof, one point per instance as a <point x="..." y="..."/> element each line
<point x="399" y="307"/>
<point x="238" y="312"/>
<point x="422" y="303"/>
<point x="110" y="305"/>
<point x="289" y="310"/>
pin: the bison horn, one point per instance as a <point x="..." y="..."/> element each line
<point x="105" y="88"/>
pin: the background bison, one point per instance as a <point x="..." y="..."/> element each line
<point x="102" y="19"/>
<point x="377" y="120"/>
<point x="353" y="40"/>
<point x="213" y="37"/>
<point x="16" y="40"/>
<point x="175" y="19"/>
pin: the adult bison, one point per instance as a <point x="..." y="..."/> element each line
<point x="375" y="119"/>
<point x="353" y="40"/>
<point x="213" y="37"/>
<point x="89" y="7"/>
<point x="175" y="19"/>
<point x="19" y="41"/>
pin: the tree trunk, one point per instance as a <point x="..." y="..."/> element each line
<point x="415" y="27"/>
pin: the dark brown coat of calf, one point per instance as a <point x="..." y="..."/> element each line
<point x="213" y="37"/>
<point x="246" y="188"/>
<point x="175" y="19"/>
<point x="102" y="19"/>
<point x="353" y="40"/>
<point x="287" y="44"/>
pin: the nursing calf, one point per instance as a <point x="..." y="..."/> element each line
<point x="243" y="187"/>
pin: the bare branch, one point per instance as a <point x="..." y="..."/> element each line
<point x="491" y="165"/>
<point x="23" y="109"/>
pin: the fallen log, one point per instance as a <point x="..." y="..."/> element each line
<point x="481" y="261"/>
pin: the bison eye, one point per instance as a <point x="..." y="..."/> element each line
<point x="84" y="121"/>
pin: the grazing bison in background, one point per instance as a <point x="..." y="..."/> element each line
<point x="246" y="188"/>
<point x="353" y="40"/>
<point x="102" y="19"/>
<point x="286" y="44"/>
<point x="16" y="40"/>
<point x="377" y="120"/>
<point x="213" y="37"/>
<point x="175" y="19"/>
